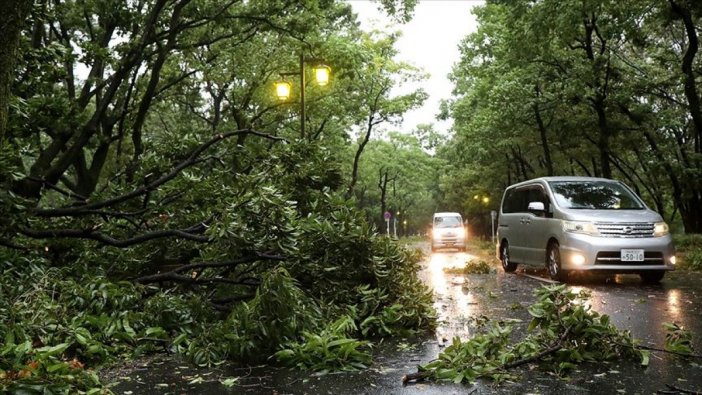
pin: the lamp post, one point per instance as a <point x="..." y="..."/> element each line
<point x="485" y="200"/>
<point x="284" y="88"/>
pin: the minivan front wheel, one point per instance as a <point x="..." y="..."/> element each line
<point x="553" y="262"/>
<point x="507" y="264"/>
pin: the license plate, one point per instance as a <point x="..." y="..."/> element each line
<point x="632" y="255"/>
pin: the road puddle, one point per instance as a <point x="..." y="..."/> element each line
<point x="454" y="298"/>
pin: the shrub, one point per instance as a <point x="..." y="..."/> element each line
<point x="692" y="259"/>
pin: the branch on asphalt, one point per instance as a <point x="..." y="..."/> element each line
<point x="420" y="376"/>
<point x="673" y="390"/>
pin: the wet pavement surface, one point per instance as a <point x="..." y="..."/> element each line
<point x="462" y="302"/>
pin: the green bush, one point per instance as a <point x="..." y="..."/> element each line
<point x="692" y="259"/>
<point x="685" y="242"/>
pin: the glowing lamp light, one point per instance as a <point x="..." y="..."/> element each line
<point x="672" y="260"/>
<point x="486" y="200"/>
<point x="283" y="89"/>
<point x="321" y="74"/>
<point x="577" y="259"/>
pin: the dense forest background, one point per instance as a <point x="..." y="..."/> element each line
<point x="154" y="189"/>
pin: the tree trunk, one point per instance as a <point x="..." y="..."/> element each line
<point x="542" y="132"/>
<point x="693" y="99"/>
<point x="11" y="22"/>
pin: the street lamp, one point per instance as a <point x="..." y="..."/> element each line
<point x="321" y="74"/>
<point x="283" y="88"/>
<point x="484" y="199"/>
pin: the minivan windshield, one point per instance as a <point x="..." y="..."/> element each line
<point x="599" y="195"/>
<point x="447" y="222"/>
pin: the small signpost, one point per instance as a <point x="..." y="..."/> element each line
<point x="493" y="217"/>
<point x="387" y="217"/>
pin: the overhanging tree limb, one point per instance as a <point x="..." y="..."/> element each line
<point x="193" y="233"/>
<point x="192" y="159"/>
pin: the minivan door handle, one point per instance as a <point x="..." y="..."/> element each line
<point x="524" y="221"/>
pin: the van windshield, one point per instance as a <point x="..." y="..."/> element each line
<point x="447" y="222"/>
<point x="599" y="195"/>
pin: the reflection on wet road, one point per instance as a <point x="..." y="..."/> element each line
<point x="454" y="301"/>
<point x="632" y="305"/>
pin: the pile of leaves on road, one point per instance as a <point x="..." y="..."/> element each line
<point x="678" y="340"/>
<point x="472" y="266"/>
<point x="563" y="332"/>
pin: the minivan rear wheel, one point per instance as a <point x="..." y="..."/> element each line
<point x="653" y="276"/>
<point x="507" y="264"/>
<point x="553" y="262"/>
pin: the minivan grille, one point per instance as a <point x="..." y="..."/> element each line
<point x="626" y="230"/>
<point x="614" y="258"/>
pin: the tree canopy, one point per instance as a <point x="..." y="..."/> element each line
<point x="581" y="87"/>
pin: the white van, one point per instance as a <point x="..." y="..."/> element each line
<point x="582" y="224"/>
<point x="447" y="231"/>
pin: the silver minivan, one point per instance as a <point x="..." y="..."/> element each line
<point x="579" y="224"/>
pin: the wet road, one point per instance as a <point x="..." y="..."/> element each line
<point x="461" y="302"/>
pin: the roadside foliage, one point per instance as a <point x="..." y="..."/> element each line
<point x="157" y="197"/>
<point x="579" y="87"/>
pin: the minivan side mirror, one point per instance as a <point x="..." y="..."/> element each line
<point x="536" y="206"/>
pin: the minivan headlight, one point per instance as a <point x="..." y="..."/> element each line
<point x="660" y="229"/>
<point x="584" y="227"/>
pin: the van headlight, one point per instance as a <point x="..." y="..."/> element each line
<point x="584" y="227"/>
<point x="461" y="233"/>
<point x="660" y="229"/>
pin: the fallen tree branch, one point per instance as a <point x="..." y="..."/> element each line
<point x="420" y="376"/>
<point x="557" y="346"/>
<point x="180" y="278"/>
<point x="49" y="185"/>
<point x="194" y="233"/>
<point x="10" y="244"/>
<point x="176" y="276"/>
<point x="682" y="354"/>
<point x="192" y="159"/>
<point x="234" y="263"/>
<point x="673" y="390"/>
